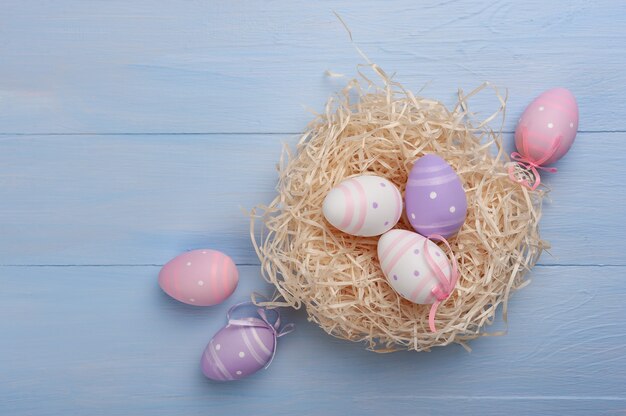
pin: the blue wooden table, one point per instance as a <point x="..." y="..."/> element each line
<point x="131" y="131"/>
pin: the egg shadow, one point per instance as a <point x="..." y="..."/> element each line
<point x="180" y="318"/>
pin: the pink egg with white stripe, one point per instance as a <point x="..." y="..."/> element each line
<point x="364" y="206"/>
<point x="547" y="128"/>
<point x="402" y="258"/>
<point x="199" y="277"/>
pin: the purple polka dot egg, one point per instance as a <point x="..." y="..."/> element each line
<point x="243" y="347"/>
<point x="365" y="205"/>
<point x="199" y="277"/>
<point x="237" y="351"/>
<point x="435" y="199"/>
<point x="403" y="261"/>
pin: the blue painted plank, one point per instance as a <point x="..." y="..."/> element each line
<point x="107" y="341"/>
<point x="104" y="340"/>
<point x="143" y="199"/>
<point x="73" y="66"/>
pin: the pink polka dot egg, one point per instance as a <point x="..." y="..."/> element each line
<point x="547" y="128"/>
<point x="199" y="277"/>
<point x="365" y="206"/>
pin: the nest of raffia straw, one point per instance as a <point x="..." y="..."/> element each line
<point x="337" y="277"/>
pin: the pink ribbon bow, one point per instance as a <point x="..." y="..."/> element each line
<point x="264" y="322"/>
<point x="445" y="287"/>
<point x="533" y="165"/>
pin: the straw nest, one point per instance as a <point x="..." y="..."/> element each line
<point x="382" y="130"/>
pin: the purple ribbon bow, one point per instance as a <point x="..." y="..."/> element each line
<point x="263" y="322"/>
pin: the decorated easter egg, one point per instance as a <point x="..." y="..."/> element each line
<point x="244" y="346"/>
<point x="548" y="126"/>
<point x="402" y="258"/>
<point x="435" y="198"/>
<point x="199" y="277"/>
<point x="238" y="351"/>
<point x="365" y="206"/>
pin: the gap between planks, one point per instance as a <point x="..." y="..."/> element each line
<point x="455" y="397"/>
<point x="230" y="133"/>
<point x="258" y="265"/>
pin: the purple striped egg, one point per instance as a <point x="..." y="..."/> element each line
<point x="237" y="351"/>
<point x="403" y="261"/>
<point x="364" y="206"/>
<point x="435" y="198"/>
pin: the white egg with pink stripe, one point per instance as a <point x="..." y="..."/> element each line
<point x="199" y="277"/>
<point x="403" y="260"/>
<point x="364" y="206"/>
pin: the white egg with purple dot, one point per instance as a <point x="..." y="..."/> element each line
<point x="365" y="205"/>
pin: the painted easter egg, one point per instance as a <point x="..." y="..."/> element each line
<point x="365" y="206"/>
<point x="199" y="277"/>
<point x="238" y="351"/>
<point x="548" y="126"/>
<point x="402" y="258"/>
<point x="435" y="198"/>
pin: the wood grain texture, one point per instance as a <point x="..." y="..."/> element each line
<point x="75" y="66"/>
<point x="199" y="97"/>
<point x="142" y="199"/>
<point x="107" y="341"/>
